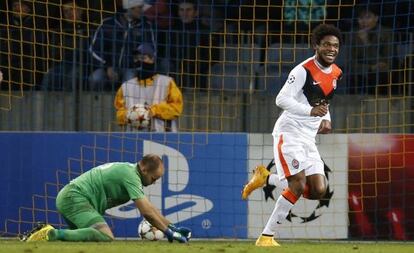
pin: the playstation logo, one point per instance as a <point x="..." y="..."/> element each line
<point x="177" y="176"/>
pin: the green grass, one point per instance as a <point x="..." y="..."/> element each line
<point x="11" y="246"/>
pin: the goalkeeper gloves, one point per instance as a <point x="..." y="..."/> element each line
<point x="186" y="232"/>
<point x="174" y="235"/>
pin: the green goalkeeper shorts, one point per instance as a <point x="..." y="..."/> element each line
<point x="76" y="208"/>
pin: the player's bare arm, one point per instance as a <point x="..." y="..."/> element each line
<point x="161" y="217"/>
<point x="151" y="214"/>
<point x="325" y="127"/>
<point x="319" y="111"/>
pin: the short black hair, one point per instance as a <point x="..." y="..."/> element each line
<point x="323" y="30"/>
<point x="151" y="162"/>
<point x="27" y="3"/>
<point x="363" y="9"/>
<point x="194" y="3"/>
<point x="78" y="3"/>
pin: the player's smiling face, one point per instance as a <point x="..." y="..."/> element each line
<point x="327" y="50"/>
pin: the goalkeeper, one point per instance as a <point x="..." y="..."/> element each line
<point x="84" y="200"/>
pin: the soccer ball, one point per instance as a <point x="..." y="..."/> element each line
<point x="138" y="116"/>
<point x="148" y="232"/>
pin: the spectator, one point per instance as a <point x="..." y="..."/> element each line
<point x="300" y="17"/>
<point x="212" y="19"/>
<point x="159" y="92"/>
<point x="292" y="19"/>
<point x="22" y="46"/>
<point x="371" y="53"/>
<point x="212" y="16"/>
<point x="113" y="43"/>
<point x="158" y="12"/>
<point x="186" y="36"/>
<point x="68" y="71"/>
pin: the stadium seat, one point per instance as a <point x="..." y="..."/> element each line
<point x="270" y="78"/>
<point x="279" y="61"/>
<point x="238" y="67"/>
<point x="248" y="55"/>
<point x="230" y="77"/>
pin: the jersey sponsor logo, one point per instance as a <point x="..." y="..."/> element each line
<point x="295" y="163"/>
<point x="182" y="206"/>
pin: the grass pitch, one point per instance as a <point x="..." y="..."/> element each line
<point x="12" y="246"/>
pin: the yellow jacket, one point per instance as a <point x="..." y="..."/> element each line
<point x="160" y="92"/>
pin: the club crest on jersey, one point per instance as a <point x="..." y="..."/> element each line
<point x="291" y="79"/>
<point x="295" y="163"/>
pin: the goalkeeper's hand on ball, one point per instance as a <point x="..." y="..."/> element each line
<point x="174" y="235"/>
<point x="186" y="232"/>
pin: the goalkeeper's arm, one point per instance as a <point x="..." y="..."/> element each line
<point x="151" y="214"/>
<point x="154" y="217"/>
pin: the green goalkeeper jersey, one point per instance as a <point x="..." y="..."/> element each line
<point x="110" y="185"/>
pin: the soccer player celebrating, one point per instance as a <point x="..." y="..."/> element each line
<point x="305" y="102"/>
<point x="84" y="200"/>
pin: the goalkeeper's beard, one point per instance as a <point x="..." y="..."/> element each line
<point x="145" y="70"/>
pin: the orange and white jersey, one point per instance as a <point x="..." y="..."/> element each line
<point x="307" y="85"/>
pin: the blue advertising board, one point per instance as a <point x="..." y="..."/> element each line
<point x="200" y="189"/>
